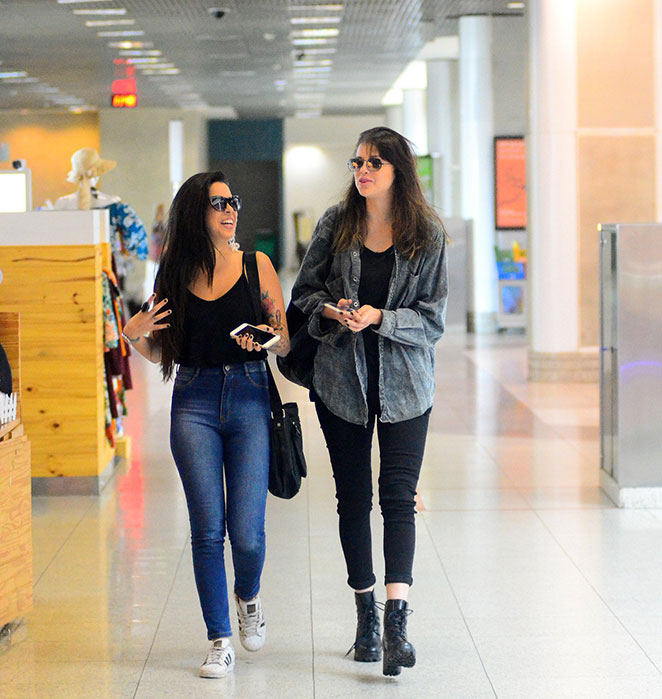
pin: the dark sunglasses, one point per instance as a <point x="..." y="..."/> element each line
<point x="374" y="163"/>
<point x="220" y="203"/>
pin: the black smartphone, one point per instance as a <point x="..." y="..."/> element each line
<point x="261" y="337"/>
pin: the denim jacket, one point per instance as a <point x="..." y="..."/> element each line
<point x="413" y="321"/>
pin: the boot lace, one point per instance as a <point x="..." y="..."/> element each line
<point x="370" y="619"/>
<point x="397" y="618"/>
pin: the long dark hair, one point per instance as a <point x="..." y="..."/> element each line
<point x="413" y="218"/>
<point x="187" y="251"/>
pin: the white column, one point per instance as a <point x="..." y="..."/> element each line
<point x="552" y="185"/>
<point x="440" y="133"/>
<point x="414" y="120"/>
<point x="394" y="118"/>
<point x="478" y="169"/>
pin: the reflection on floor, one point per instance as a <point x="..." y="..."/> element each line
<point x="528" y="581"/>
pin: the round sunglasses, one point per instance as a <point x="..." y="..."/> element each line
<point x="374" y="163"/>
<point x="220" y="203"/>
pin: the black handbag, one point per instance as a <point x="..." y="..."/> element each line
<point x="288" y="464"/>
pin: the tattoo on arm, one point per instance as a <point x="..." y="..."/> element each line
<point x="275" y="320"/>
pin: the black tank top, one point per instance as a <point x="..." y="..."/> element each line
<point x="207" y="326"/>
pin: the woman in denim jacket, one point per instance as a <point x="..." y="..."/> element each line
<point x="220" y="414"/>
<point x="380" y="257"/>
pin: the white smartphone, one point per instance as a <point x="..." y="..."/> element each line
<point x="335" y="307"/>
<point x="261" y="337"/>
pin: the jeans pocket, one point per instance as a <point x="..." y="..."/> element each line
<point x="186" y="376"/>
<point x="258" y="378"/>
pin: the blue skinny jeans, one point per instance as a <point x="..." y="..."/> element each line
<point x="219" y="430"/>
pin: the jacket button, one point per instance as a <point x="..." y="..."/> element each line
<point x="354" y="254"/>
<point x="355" y="279"/>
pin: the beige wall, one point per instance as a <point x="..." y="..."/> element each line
<point x="46" y="141"/>
<point x="138" y="140"/>
<point x="616" y="139"/>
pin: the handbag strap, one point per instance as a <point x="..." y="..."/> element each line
<point x="253" y="278"/>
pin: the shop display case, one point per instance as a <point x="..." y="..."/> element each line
<point x="51" y="265"/>
<point x="15" y="497"/>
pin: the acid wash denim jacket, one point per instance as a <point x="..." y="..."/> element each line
<point x="413" y="321"/>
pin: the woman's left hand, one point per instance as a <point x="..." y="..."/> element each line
<point x="246" y="341"/>
<point x="362" y="318"/>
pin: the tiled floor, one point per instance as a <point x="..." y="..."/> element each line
<point x="529" y="583"/>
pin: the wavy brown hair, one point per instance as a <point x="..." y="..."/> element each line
<point x="413" y="219"/>
<point x="188" y="250"/>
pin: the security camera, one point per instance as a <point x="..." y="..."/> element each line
<point x="19" y="164"/>
<point x="218" y="12"/>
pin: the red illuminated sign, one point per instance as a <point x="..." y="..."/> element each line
<point x="124" y="101"/>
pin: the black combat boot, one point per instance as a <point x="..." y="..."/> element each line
<point x="398" y="652"/>
<point x="368" y="644"/>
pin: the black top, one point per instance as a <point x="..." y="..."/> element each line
<point x="376" y="269"/>
<point x="207" y="341"/>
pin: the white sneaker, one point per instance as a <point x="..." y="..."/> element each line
<point x="220" y="659"/>
<point x="252" y="629"/>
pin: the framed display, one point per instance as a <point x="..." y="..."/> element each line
<point x="509" y="182"/>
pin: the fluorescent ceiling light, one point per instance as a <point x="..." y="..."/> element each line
<point x="315" y="20"/>
<point x="109" y="22"/>
<point x="78" y="2"/>
<point x="114" y="11"/>
<point x="131" y="61"/>
<point x="316" y="51"/>
<point x="309" y="33"/>
<point x="140" y="53"/>
<point x="310" y="114"/>
<point x="311" y="69"/>
<point x="336" y="7"/>
<point x="19" y="81"/>
<point x="154" y="66"/>
<point x="130" y="44"/>
<point x="125" y="32"/>
<point x="515" y="5"/>
<point x="310" y="42"/>
<point x="237" y="73"/>
<point x="308" y="64"/>
<point x="167" y="71"/>
<point x="13" y="74"/>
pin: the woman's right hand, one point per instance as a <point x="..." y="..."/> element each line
<point x="147" y="321"/>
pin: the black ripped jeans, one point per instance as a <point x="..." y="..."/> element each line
<point x="401" y="446"/>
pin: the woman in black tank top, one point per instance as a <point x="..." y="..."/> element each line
<point x="219" y="422"/>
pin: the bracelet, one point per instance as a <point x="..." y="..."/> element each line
<point x="131" y="340"/>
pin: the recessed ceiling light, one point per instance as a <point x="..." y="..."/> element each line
<point x="302" y="63"/>
<point x="155" y="66"/>
<point x="109" y="22"/>
<point x="130" y="44"/>
<point x="125" y="32"/>
<point x="113" y="11"/>
<point x="311" y="69"/>
<point x="166" y="71"/>
<point x="311" y="42"/>
<point x="315" y="20"/>
<point x="268" y="36"/>
<point x="140" y="53"/>
<point x="316" y="51"/>
<point x="308" y="33"/>
<point x="337" y="7"/>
